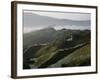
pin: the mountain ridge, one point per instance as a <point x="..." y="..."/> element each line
<point x="38" y="21"/>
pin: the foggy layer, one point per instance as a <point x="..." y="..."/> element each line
<point x="33" y="20"/>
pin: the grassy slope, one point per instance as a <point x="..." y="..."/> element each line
<point x="79" y="57"/>
<point x="50" y="56"/>
<point x="46" y="55"/>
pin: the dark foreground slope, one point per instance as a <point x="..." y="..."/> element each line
<point x="79" y="57"/>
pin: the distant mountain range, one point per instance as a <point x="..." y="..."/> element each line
<point x="35" y="20"/>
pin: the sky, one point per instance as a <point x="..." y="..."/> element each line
<point x="63" y="15"/>
<point x="36" y="20"/>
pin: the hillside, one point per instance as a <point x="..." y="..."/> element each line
<point x="38" y="37"/>
<point x="79" y="57"/>
<point x="56" y="48"/>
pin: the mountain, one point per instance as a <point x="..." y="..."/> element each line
<point x="48" y="46"/>
<point x="33" y="20"/>
<point x="39" y="37"/>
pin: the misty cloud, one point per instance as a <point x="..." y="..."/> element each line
<point x="33" y="20"/>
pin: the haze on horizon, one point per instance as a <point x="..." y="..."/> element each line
<point x="36" y="20"/>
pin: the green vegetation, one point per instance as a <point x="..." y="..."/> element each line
<point x="76" y="58"/>
<point x="56" y="48"/>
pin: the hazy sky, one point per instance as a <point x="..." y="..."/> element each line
<point x="36" y="20"/>
<point x="63" y="15"/>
